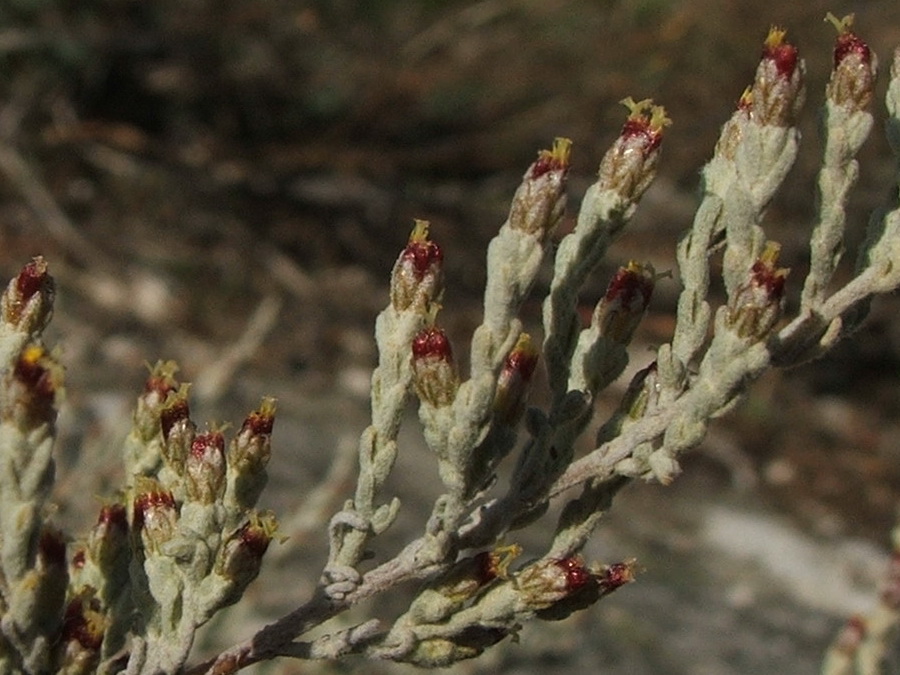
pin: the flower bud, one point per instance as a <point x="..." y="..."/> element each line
<point x="471" y="574"/>
<point x="27" y="303"/>
<point x="248" y="455"/>
<point x="557" y="587"/>
<point x="416" y="280"/>
<point x="550" y="580"/>
<point x="108" y="541"/>
<point x="155" y="515"/>
<point x="205" y="468"/>
<point x="37" y="601"/>
<point x="778" y="88"/>
<point x="540" y="200"/>
<point x="853" y="77"/>
<point x="160" y="383"/>
<point x="241" y="555"/>
<point x="33" y="387"/>
<point x="514" y="382"/>
<point x="755" y="306"/>
<point x="82" y="632"/>
<point x="434" y="374"/>
<point x="178" y="430"/>
<point x="614" y="576"/>
<point x="629" y="166"/>
<point x="620" y="311"/>
<point x="252" y="447"/>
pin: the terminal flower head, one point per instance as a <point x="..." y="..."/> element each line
<point x="155" y="514"/>
<point x="27" y="302"/>
<point x="755" y="306"/>
<point x="540" y="200"/>
<point x="434" y="373"/>
<point x="513" y="383"/>
<point x="619" y="312"/>
<point x="853" y="76"/>
<point x="36" y="383"/>
<point x="204" y="467"/>
<point x="629" y="166"/>
<point x="778" y="88"/>
<point x="417" y="277"/>
<point x="252" y="447"/>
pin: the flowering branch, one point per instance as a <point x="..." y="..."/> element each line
<point x="184" y="539"/>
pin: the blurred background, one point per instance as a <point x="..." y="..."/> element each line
<point x="227" y="183"/>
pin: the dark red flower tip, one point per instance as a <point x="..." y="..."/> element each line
<point x="848" y="42"/>
<point x="432" y="342"/>
<point x="555" y="159"/>
<point x="630" y="281"/>
<point x="646" y="122"/>
<point x="150" y="501"/>
<point x="522" y="362"/>
<point x="32" y="371"/>
<point x="52" y="547"/>
<point x="577" y="575"/>
<point x="261" y="422"/>
<point x="174" y="412"/>
<point x="159" y="384"/>
<point x="79" y="558"/>
<point x="203" y="442"/>
<point x="113" y="516"/>
<point x="783" y="54"/>
<point x="770" y="279"/>
<point x="162" y="379"/>
<point x="82" y="622"/>
<point x="421" y="253"/>
<point x="523" y="358"/>
<point x="255" y="538"/>
<point x="41" y="379"/>
<point x="615" y="576"/>
<point x="33" y="278"/>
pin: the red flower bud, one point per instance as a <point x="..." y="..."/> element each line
<point x="51" y="548"/>
<point x="108" y="540"/>
<point x="178" y="430"/>
<point x="853" y="77"/>
<point x="778" y="88"/>
<point x="550" y="580"/>
<point x="418" y="273"/>
<point x="471" y="574"/>
<point x="252" y="447"/>
<point x="241" y="555"/>
<point x="155" y="514"/>
<point x="176" y="410"/>
<point x="158" y="387"/>
<point x="514" y="381"/>
<point x="204" y="468"/>
<point x="629" y="166"/>
<point x="620" y="311"/>
<point x="434" y="374"/>
<point x="35" y="382"/>
<point x="611" y="577"/>
<point x="540" y="200"/>
<point x="83" y="624"/>
<point x="755" y="306"/>
<point x="27" y="302"/>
